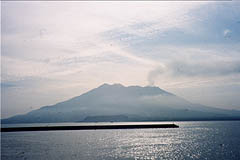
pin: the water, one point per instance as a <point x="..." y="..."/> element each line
<point x="193" y="140"/>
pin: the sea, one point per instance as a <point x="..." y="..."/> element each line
<point x="203" y="140"/>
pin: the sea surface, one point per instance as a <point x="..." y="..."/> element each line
<point x="213" y="140"/>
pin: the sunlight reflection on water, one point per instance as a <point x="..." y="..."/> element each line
<point x="193" y="140"/>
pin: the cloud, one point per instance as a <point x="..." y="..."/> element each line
<point x="204" y="69"/>
<point x="227" y="33"/>
<point x="7" y="85"/>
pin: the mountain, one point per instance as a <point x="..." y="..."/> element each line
<point x="134" y="103"/>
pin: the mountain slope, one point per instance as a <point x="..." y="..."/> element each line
<point x="137" y="103"/>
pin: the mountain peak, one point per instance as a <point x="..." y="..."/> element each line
<point x="147" y="89"/>
<point x="113" y="85"/>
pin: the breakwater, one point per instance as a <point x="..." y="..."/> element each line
<point x="88" y="127"/>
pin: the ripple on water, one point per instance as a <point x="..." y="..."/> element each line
<point x="193" y="140"/>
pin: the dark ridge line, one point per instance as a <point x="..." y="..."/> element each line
<point x="95" y="127"/>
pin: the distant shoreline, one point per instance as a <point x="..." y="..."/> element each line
<point x="147" y="120"/>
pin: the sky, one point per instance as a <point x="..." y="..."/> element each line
<point x="53" y="51"/>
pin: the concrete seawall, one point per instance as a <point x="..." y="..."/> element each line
<point x="89" y="127"/>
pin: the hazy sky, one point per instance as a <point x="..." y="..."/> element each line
<point x="52" y="51"/>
